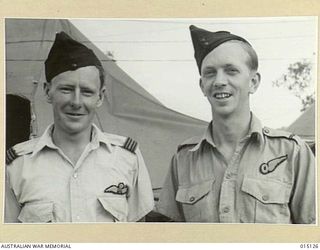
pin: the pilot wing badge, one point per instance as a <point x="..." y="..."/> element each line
<point x="270" y="166"/>
<point x="120" y="189"/>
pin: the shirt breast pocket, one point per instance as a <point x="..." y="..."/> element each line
<point x="113" y="205"/>
<point x="195" y="201"/>
<point x="36" y="212"/>
<point x="266" y="201"/>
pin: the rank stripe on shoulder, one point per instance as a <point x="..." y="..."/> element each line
<point x="11" y="155"/>
<point x="130" y="144"/>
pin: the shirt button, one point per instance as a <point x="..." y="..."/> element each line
<point x="266" y="130"/>
<point x="75" y="175"/>
<point x="265" y="197"/>
<point x="191" y="199"/>
<point x="226" y="210"/>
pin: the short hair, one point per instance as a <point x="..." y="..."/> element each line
<point x="253" y="57"/>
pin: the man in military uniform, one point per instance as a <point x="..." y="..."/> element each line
<point x="237" y="171"/>
<point x="74" y="172"/>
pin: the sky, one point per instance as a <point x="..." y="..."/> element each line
<point x="158" y="54"/>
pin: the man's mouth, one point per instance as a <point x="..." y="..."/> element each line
<point x="74" y="114"/>
<point x="221" y="95"/>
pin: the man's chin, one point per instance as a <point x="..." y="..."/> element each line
<point x="74" y="129"/>
<point x="222" y="111"/>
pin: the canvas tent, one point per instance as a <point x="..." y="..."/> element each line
<point x="304" y="126"/>
<point x="128" y="109"/>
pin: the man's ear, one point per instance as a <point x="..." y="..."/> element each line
<point x="201" y="86"/>
<point x="46" y="88"/>
<point x="101" y="95"/>
<point x="254" y="83"/>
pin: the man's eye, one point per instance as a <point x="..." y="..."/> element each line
<point x="209" y="74"/>
<point x="87" y="92"/>
<point x="65" y="90"/>
<point x="232" y="71"/>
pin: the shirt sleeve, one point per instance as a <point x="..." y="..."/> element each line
<point x="302" y="203"/>
<point x="140" y="200"/>
<point x="12" y="206"/>
<point x="167" y="204"/>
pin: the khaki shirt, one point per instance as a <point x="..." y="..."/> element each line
<point x="270" y="179"/>
<point x="108" y="183"/>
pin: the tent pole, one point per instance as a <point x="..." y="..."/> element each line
<point x="33" y="123"/>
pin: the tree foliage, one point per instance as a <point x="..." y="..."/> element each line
<point x="298" y="80"/>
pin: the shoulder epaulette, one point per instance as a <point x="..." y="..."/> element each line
<point x="130" y="145"/>
<point x="279" y="133"/>
<point x="121" y="141"/>
<point x="11" y="155"/>
<point x="19" y="150"/>
<point x="189" y="142"/>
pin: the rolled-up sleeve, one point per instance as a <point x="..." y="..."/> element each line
<point x="302" y="203"/>
<point x="140" y="200"/>
<point x="167" y="204"/>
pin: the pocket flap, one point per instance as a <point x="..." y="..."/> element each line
<point x="36" y="212"/>
<point x="267" y="191"/>
<point x="116" y="205"/>
<point x="192" y="194"/>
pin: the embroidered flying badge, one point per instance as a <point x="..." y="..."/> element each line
<point x="121" y="189"/>
<point x="270" y="166"/>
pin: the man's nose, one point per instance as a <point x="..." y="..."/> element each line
<point x="76" y="99"/>
<point x="220" y="80"/>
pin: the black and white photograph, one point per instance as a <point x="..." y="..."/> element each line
<point x="180" y="120"/>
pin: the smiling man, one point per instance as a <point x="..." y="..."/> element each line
<point x="74" y="172"/>
<point x="237" y="171"/>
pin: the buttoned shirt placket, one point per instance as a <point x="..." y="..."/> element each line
<point x="228" y="193"/>
<point x="76" y="193"/>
